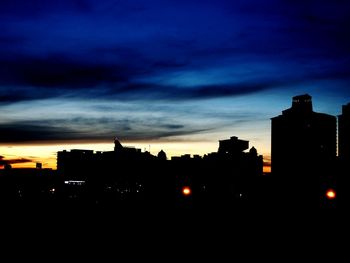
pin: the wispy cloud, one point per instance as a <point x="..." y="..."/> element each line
<point x="5" y="161"/>
<point x="98" y="129"/>
<point x="168" y="61"/>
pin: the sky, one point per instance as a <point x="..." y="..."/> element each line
<point x="172" y="75"/>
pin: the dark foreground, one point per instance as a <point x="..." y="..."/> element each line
<point x="170" y="193"/>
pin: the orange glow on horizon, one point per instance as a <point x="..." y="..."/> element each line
<point x="267" y="169"/>
<point x="47" y="153"/>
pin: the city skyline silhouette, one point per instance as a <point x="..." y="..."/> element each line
<point x="179" y="84"/>
<point x="343" y="131"/>
<point x="230" y="178"/>
<point x="177" y="75"/>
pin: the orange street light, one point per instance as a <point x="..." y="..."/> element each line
<point x="186" y="191"/>
<point x="331" y="194"/>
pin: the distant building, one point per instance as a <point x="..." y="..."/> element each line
<point x="75" y="163"/>
<point x="302" y="140"/>
<point x="233" y="158"/>
<point x="344" y="133"/>
<point x="233" y="146"/>
<point x="128" y="173"/>
<point x="162" y="156"/>
<point x="83" y="164"/>
<point x="39" y="166"/>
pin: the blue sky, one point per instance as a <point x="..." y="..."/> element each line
<point x="166" y="71"/>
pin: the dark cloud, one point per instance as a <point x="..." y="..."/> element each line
<point x="41" y="7"/>
<point x="4" y="161"/>
<point x="90" y="129"/>
<point x="156" y="92"/>
<point x="267" y="163"/>
<point x="169" y="64"/>
<point x="10" y="40"/>
<point x="20" y="160"/>
<point x="87" y="66"/>
<point x="214" y="91"/>
<point x="141" y="91"/>
<point x="57" y="76"/>
<point x="147" y="91"/>
<point x="56" y="71"/>
<point x="126" y="51"/>
<point x="29" y="78"/>
<point x="173" y="126"/>
<point x="17" y="132"/>
<point x="10" y="98"/>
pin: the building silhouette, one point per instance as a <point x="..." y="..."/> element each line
<point x="302" y="138"/>
<point x="343" y="167"/>
<point x="303" y="152"/>
<point x="162" y="155"/>
<point x="128" y="175"/>
<point x="344" y="133"/>
<point x="305" y="172"/>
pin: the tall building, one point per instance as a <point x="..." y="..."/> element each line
<point x="344" y="133"/>
<point x="343" y="180"/>
<point x="303" y="141"/>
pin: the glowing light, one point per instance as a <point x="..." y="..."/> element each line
<point x="186" y="191"/>
<point x="331" y="194"/>
<point x="74" y="182"/>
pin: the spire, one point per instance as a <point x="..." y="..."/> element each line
<point x="117" y="145"/>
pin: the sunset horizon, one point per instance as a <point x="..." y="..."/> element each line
<point x="173" y="148"/>
<point x="176" y="76"/>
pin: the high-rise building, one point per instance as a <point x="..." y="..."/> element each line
<point x="303" y="141"/>
<point x="344" y="133"/>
